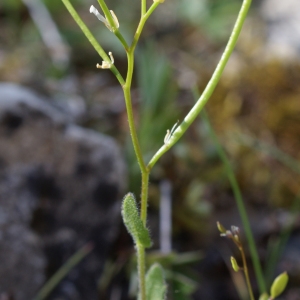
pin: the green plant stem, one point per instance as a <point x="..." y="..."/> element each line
<point x="137" y="149"/>
<point x="63" y="271"/>
<point x="145" y="182"/>
<point x="144" y="196"/>
<point x="107" y="14"/>
<point x="127" y="94"/>
<point x="188" y="120"/>
<point x="142" y="22"/>
<point x="92" y="39"/>
<point x="143" y="7"/>
<point x="132" y="128"/>
<point x="141" y="271"/>
<point x="241" y="207"/>
<point x="142" y="165"/>
<point x="121" y="39"/>
<point x="246" y="273"/>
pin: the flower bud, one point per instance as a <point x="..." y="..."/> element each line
<point x="279" y="284"/>
<point x="221" y="228"/>
<point x="235" y="230"/>
<point x="234" y="264"/>
<point x="264" y="296"/>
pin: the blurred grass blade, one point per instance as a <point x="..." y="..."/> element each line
<point x="240" y="203"/>
<point x="279" y="244"/>
<point x="63" y="271"/>
<point x="270" y="150"/>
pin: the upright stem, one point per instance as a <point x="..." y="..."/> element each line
<point x="245" y="268"/>
<point x="140" y="248"/>
<point x="144" y="196"/>
<point x="144" y="171"/>
<point x="145" y="174"/>
<point x="143" y="7"/>
<point x="141" y="271"/>
<point x="142" y="22"/>
<point x="128" y="102"/>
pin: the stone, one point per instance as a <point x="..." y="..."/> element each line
<point x="62" y="188"/>
<point x="283" y="28"/>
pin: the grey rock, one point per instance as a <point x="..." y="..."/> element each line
<point x="283" y="19"/>
<point x="22" y="259"/>
<point x="63" y="186"/>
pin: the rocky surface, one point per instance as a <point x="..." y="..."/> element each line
<point x="60" y="187"/>
<point x="283" y="28"/>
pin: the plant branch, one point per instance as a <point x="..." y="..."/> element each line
<point x="246" y="273"/>
<point x="142" y="22"/>
<point x="143" y="7"/>
<point x="188" y="120"/>
<point x="92" y="39"/>
<point x="112" y="24"/>
<point x="121" y="39"/>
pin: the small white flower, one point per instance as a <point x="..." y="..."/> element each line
<point x="170" y="133"/>
<point x="106" y="64"/>
<point x="94" y="11"/>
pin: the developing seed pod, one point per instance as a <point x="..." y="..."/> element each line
<point x="133" y="222"/>
<point x="279" y="285"/>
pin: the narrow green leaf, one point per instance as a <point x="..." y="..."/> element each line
<point x="133" y="222"/>
<point x="279" y="285"/>
<point x="155" y="283"/>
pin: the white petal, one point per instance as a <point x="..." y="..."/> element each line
<point x="94" y="11"/>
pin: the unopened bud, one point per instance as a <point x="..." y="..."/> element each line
<point x="279" y="285"/>
<point x="234" y="264"/>
<point x="235" y="230"/>
<point x="221" y="228"/>
<point x="236" y="237"/>
<point x="264" y="296"/>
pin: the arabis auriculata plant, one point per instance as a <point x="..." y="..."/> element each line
<point x="152" y="285"/>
